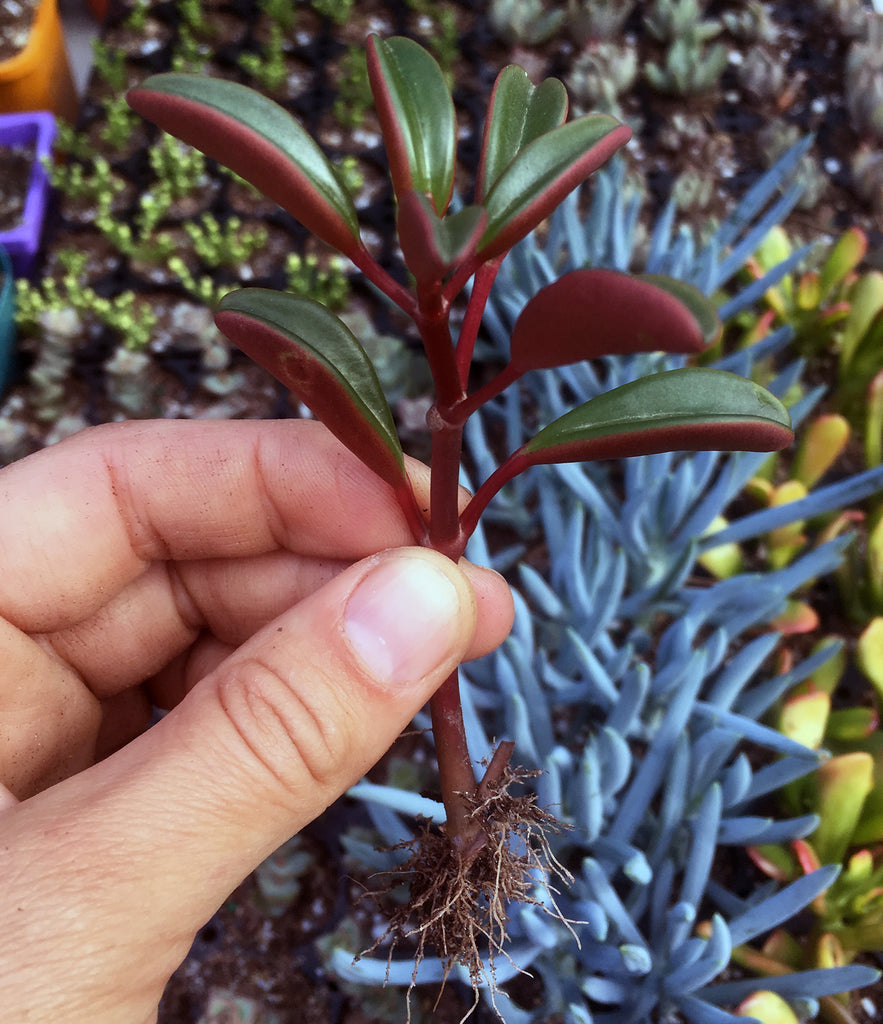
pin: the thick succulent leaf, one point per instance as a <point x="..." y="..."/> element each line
<point x="417" y="117"/>
<point x="518" y="113"/>
<point x="260" y="141"/>
<point x="692" y="409"/>
<point x="590" y="313"/>
<point x="313" y="354"/>
<point x="433" y="245"/>
<point x="847" y="253"/>
<point x="841" y="785"/>
<point x="681" y="410"/>
<point x="704" y="311"/>
<point x="543" y="173"/>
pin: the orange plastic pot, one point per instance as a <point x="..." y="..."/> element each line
<point x="39" y="76"/>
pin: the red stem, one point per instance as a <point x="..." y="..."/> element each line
<point x="433" y="322"/>
<point x="495" y="769"/>
<point x="467" y="406"/>
<point x="481" y="289"/>
<point x="408" y="504"/>
<point x="454" y="764"/>
<point x="456" y="775"/>
<point x="445" y="532"/>
<point x="515" y="464"/>
<point x="450" y="371"/>
<point x="391" y="288"/>
<point x="461" y="275"/>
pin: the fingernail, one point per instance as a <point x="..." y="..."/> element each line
<point x="402" y="619"/>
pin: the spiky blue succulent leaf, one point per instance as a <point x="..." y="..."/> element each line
<point x="842" y="494"/>
<point x="800" y="985"/>
<point x="404" y="801"/>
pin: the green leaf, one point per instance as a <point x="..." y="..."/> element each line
<point x="845" y="255"/>
<point x="595" y="312"/>
<point x="866" y="301"/>
<point x="841" y="785"/>
<point x="542" y="174"/>
<point x="777" y="862"/>
<point x="518" y="113"/>
<point x="869" y="653"/>
<point x="258" y="140"/>
<point x="315" y="355"/>
<point x="433" y="245"/>
<point x="767" y="1007"/>
<point x="804" y="717"/>
<point x="680" y="410"/>
<point x="417" y="117"/>
<point x="845" y="725"/>
<point x="869" y="829"/>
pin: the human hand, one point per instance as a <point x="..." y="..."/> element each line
<point x="227" y="571"/>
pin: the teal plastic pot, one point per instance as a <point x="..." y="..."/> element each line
<point x="7" y="322"/>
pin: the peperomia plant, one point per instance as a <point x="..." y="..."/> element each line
<point x="531" y="158"/>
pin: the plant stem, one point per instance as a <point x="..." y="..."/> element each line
<point x="497" y="766"/>
<point x="385" y="282"/>
<point x="481" y="289"/>
<point x="455" y="772"/>
<point x="408" y="504"/>
<point x="445" y="533"/>
<point x="515" y="464"/>
<point x="433" y="322"/>
<point x="465" y="408"/>
<point x="456" y="775"/>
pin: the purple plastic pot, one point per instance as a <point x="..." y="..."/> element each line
<point x="37" y="128"/>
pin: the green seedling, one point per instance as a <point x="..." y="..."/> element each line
<point x="491" y="846"/>
<point x="179" y="169"/>
<point x="118" y="125"/>
<point x="524" y="22"/>
<point x="127" y="314"/>
<point x="268" y="67"/>
<point x="353" y="96"/>
<point x="689" y="68"/>
<point x="860" y="575"/>
<point x="338" y="11"/>
<point x="329" y="285"/>
<point x="227" y="244"/>
<point x="109" y="64"/>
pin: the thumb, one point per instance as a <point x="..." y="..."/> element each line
<point x="161" y="832"/>
<point x="298" y="714"/>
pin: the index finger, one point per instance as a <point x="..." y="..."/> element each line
<point x="83" y="518"/>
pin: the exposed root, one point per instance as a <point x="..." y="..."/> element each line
<point x="458" y="900"/>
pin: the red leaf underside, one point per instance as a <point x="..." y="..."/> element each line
<point x="590" y="313"/>
<point x="319" y="387"/>
<point x="732" y="434"/>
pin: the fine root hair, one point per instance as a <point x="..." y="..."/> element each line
<point x="459" y="901"/>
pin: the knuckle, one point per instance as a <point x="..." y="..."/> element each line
<point x="291" y="730"/>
